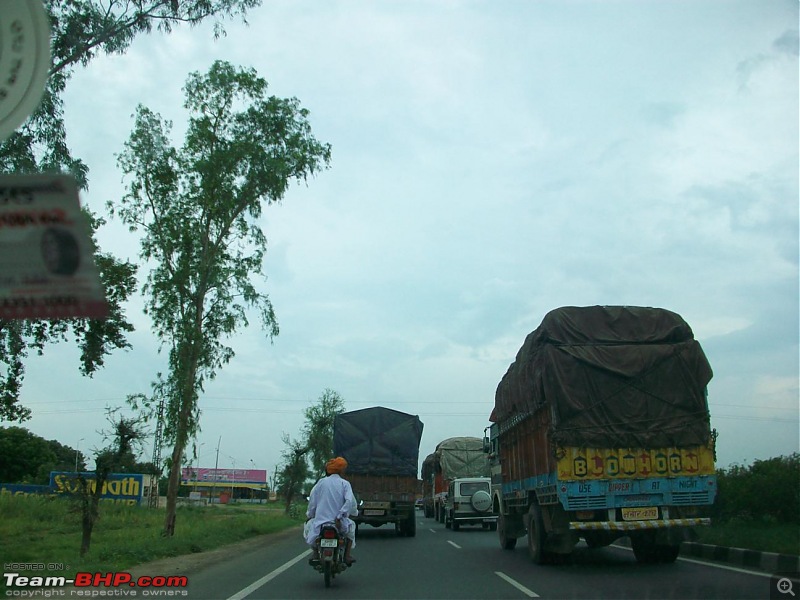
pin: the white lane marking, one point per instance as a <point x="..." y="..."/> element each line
<point x="517" y="585"/>
<point x="267" y="578"/>
<point x="432" y="530"/>
<point x="453" y="544"/>
<point x="706" y="563"/>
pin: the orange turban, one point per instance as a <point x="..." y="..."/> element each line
<point x="336" y="465"/>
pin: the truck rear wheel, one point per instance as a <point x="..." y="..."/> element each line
<point x="644" y="547"/>
<point x="506" y="543"/>
<point x="411" y="525"/>
<point x="668" y="553"/>
<point x="536" y="536"/>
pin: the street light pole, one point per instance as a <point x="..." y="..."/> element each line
<point x="77" y="451"/>
<point x="197" y="463"/>
<point x="216" y="467"/>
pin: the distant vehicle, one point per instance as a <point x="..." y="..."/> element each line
<point x="469" y="502"/>
<point x="381" y="447"/>
<point x="601" y="430"/>
<point x="454" y="457"/>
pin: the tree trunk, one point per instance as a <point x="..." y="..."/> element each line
<point x="86" y="534"/>
<point x="181" y="436"/>
<point x="172" y="490"/>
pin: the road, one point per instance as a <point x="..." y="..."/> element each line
<point x="468" y="564"/>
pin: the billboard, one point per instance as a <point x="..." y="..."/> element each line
<point x="124" y="488"/>
<point x="211" y="477"/>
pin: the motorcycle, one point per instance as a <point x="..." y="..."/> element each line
<point x="331" y="546"/>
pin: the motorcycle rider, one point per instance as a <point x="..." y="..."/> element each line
<point x="332" y="500"/>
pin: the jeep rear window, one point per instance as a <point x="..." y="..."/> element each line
<point x="467" y="489"/>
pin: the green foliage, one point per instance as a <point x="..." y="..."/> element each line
<point x="318" y="429"/>
<point x="763" y="535"/>
<point x="27" y="458"/>
<point x="766" y="490"/>
<point x="294" y="470"/>
<point x="96" y="338"/>
<point x="34" y="527"/>
<point x="81" y="30"/>
<point x="198" y="208"/>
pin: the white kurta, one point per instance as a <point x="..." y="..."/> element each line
<point x="331" y="498"/>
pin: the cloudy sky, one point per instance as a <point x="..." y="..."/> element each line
<point x="491" y="161"/>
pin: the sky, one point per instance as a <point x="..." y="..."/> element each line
<point x="491" y="161"/>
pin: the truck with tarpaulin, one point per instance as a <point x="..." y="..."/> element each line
<point x="381" y="447"/>
<point x="452" y="458"/>
<point x="600" y="430"/>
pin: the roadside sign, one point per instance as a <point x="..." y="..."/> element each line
<point x="24" y="61"/>
<point x="47" y="269"/>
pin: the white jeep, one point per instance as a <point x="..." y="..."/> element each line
<point x="469" y="502"/>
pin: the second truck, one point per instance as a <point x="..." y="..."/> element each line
<point x="454" y="457"/>
<point x="600" y="430"/>
<point x="381" y="447"/>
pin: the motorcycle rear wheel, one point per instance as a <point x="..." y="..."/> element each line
<point x="327" y="573"/>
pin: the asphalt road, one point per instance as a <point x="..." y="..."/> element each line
<point x="468" y="564"/>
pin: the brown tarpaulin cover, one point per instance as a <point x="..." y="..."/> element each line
<point x="613" y="376"/>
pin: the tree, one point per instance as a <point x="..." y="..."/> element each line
<point x="81" y="30"/>
<point x="318" y="429"/>
<point x="127" y="434"/>
<point x="198" y="209"/>
<point x="28" y="458"/>
<point x="294" y="470"/>
<point x="22" y="453"/>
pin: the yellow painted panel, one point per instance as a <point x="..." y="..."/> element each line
<point x="636" y="463"/>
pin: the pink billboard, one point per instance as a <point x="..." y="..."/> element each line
<point x="212" y="476"/>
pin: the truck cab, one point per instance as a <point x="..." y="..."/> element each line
<point x="469" y="502"/>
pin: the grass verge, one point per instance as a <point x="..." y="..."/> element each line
<point x="46" y="531"/>
<point x="752" y="535"/>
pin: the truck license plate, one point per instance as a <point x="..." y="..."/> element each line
<point x="639" y="513"/>
<point x="374" y="513"/>
<point x="328" y="543"/>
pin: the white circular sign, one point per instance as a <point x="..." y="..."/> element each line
<point x="24" y="61"/>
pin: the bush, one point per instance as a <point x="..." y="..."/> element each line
<point x="768" y="490"/>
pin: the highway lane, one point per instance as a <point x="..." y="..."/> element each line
<point x="442" y="564"/>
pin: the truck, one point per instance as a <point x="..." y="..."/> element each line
<point x="601" y="430"/>
<point x="381" y="447"/>
<point x="453" y="457"/>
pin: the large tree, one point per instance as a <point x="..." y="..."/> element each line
<point x="198" y="207"/>
<point x="81" y="30"/>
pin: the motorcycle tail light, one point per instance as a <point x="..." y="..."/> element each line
<point x="329" y="534"/>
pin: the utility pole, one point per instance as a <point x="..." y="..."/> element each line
<point x="216" y="467"/>
<point x="77" y="451"/>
